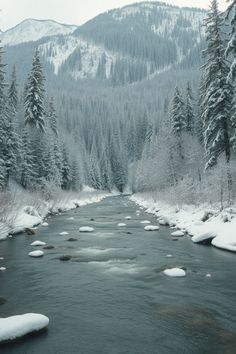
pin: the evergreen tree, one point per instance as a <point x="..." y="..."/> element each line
<point x="52" y="118"/>
<point x="177" y="116"/>
<point x="217" y="93"/>
<point x="27" y="174"/>
<point x="34" y="95"/>
<point x="189" y="112"/>
<point x="66" y="169"/>
<point x="231" y="48"/>
<point x="12" y="92"/>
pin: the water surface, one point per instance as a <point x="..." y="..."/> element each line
<point x="112" y="297"/>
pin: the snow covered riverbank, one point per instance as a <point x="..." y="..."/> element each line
<point x="205" y="223"/>
<point x="26" y="211"/>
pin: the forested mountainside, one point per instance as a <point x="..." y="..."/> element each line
<point x="117" y="123"/>
<point x="120" y="46"/>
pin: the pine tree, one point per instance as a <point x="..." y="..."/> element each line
<point x="231" y="47"/>
<point x="177" y="116"/>
<point x="3" y="174"/>
<point x="217" y="93"/>
<point x="27" y="173"/>
<point x="34" y="95"/>
<point x="189" y="113"/>
<point x="12" y="92"/>
<point x="66" y="169"/>
<point x="52" y="118"/>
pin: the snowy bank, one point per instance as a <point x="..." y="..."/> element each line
<point x="15" y="327"/>
<point x="204" y="223"/>
<point x="18" y="218"/>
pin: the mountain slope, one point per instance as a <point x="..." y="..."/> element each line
<point x="121" y="46"/>
<point x="33" y="30"/>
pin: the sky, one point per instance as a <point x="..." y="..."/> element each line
<point x="71" y="11"/>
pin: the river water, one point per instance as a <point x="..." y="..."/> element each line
<point x="112" y="297"/>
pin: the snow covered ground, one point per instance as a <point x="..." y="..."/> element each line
<point x="15" y="327"/>
<point x="19" y="217"/>
<point x="204" y="223"/>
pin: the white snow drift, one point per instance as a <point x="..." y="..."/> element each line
<point x="36" y="254"/>
<point x="178" y="233"/>
<point x="175" y="272"/>
<point x="219" y="227"/>
<point x="38" y="243"/>
<point x="17" y="326"/>
<point x="86" y="229"/>
<point x="151" y="228"/>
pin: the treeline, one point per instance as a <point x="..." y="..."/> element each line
<point x="33" y="151"/>
<point x="193" y="158"/>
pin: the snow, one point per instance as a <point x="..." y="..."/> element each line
<point x="122" y="224"/>
<point x="71" y="218"/>
<point x="151" y="228"/>
<point x="18" y="218"/>
<point x="219" y="227"/>
<point x="38" y="243"/>
<point x="208" y="275"/>
<point x="44" y="224"/>
<point x="86" y="229"/>
<point x="64" y="233"/>
<point x="15" y="327"/>
<point x="175" y="272"/>
<point x="91" y="55"/>
<point x="169" y="256"/>
<point x="32" y="30"/>
<point x="145" y="222"/>
<point x="2" y="269"/>
<point x="27" y="218"/>
<point x="36" y="254"/>
<point x="177" y="233"/>
<point x="201" y="237"/>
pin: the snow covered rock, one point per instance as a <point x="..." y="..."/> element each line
<point x="15" y="327"/>
<point x="38" y="243"/>
<point x="169" y="256"/>
<point x="121" y="224"/>
<point x="86" y="229"/>
<point x="178" y="233"/>
<point x="163" y="222"/>
<point x="71" y="218"/>
<point x="36" y="254"/>
<point x="208" y="275"/>
<point x="145" y="222"/>
<point x="44" y="224"/>
<point x="205" y="237"/>
<point x="151" y="228"/>
<point x="2" y="269"/>
<point x="64" y="233"/>
<point x="175" y="272"/>
<point x="128" y="217"/>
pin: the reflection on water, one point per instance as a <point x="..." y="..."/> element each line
<point x="111" y="297"/>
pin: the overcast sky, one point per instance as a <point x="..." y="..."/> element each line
<point x="70" y="11"/>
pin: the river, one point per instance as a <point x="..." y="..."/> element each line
<point x="112" y="297"/>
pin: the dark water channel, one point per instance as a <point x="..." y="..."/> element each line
<point x="112" y="297"/>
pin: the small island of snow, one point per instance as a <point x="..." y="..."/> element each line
<point x="15" y="327"/>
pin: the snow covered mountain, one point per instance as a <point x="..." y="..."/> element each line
<point x="123" y="45"/>
<point x="33" y="30"/>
